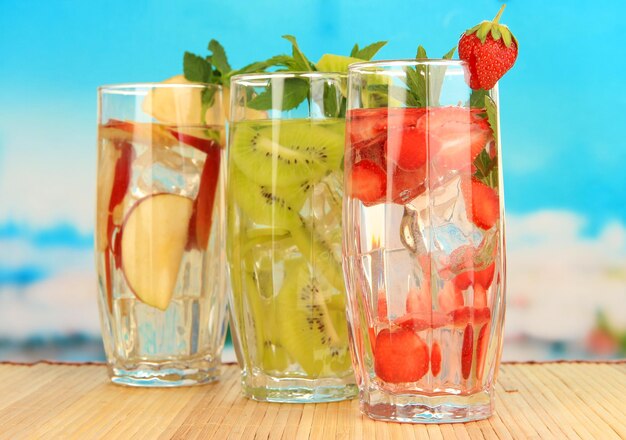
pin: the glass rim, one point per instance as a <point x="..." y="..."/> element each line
<point x="380" y="64"/>
<point x="126" y="88"/>
<point x="240" y="78"/>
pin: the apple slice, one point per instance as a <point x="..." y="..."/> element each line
<point x="107" y="160"/>
<point x="154" y="235"/>
<point x="179" y="105"/>
<point x="138" y="132"/>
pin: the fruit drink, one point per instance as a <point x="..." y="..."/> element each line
<point x="159" y="251"/>
<point x="423" y="249"/>
<point x="286" y="234"/>
<point x="285" y="187"/>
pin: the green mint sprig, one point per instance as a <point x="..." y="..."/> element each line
<point x="212" y="69"/>
<point x="368" y="52"/>
<point x="487" y="166"/>
<point x="296" y="90"/>
<point x="425" y="82"/>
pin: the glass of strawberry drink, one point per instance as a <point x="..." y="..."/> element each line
<point x="423" y="243"/>
<point x="159" y="241"/>
<point x="284" y="196"/>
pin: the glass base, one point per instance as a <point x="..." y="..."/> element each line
<point x="166" y="374"/>
<point x="289" y="390"/>
<point x="428" y="409"/>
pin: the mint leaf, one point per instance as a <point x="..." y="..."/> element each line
<point x="368" y="52"/>
<point x="416" y="82"/>
<point x="492" y="116"/>
<point x="425" y="81"/>
<point x="218" y="57"/>
<point x="295" y="90"/>
<point x="302" y="62"/>
<point x="449" y="54"/>
<point x="260" y="66"/>
<point x="486" y="169"/>
<point x="196" y="68"/>
<point x="332" y="100"/>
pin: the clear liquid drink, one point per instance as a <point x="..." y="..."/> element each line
<point x="159" y="234"/>
<point x="424" y="241"/>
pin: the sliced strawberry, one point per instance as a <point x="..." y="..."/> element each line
<point x="408" y="147"/>
<point x="401" y="356"/>
<point x="419" y="300"/>
<point x="368" y="182"/>
<point x="467" y="351"/>
<point x="450" y="298"/>
<point x="481" y="278"/>
<point x="457" y="135"/>
<point x="381" y="307"/>
<point x="466" y="315"/>
<point x="407" y="185"/>
<point x="484" y="277"/>
<point x="435" y="359"/>
<point x="481" y="350"/>
<point x="422" y="321"/>
<point x="482" y="315"/>
<point x="480" y="296"/>
<point x="461" y="316"/>
<point x="366" y="124"/>
<point x="482" y="203"/>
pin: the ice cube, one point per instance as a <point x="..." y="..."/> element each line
<point x="166" y="170"/>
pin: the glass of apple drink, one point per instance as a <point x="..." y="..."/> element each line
<point x="423" y="247"/>
<point x="285" y="185"/>
<point x="159" y="233"/>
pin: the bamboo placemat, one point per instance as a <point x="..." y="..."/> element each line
<point x="58" y="401"/>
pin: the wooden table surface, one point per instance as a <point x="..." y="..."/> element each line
<point x="58" y="401"/>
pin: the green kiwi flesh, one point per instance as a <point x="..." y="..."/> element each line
<point x="286" y="152"/>
<point x="315" y="336"/>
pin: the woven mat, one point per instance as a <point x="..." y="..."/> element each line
<point x="534" y="400"/>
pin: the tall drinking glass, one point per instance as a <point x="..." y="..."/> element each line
<point x="285" y="184"/>
<point x="159" y="233"/>
<point x="424" y="241"/>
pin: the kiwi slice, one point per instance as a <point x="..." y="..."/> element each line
<point x="280" y="210"/>
<point x="335" y="63"/>
<point x="264" y="205"/>
<point x="315" y="336"/>
<point x="285" y="152"/>
<point x="318" y="253"/>
<point x="270" y="354"/>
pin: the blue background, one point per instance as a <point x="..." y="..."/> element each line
<point x="561" y="105"/>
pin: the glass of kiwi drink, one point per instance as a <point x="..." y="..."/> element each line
<point x="160" y="251"/>
<point x="284" y="208"/>
<point x="424" y="240"/>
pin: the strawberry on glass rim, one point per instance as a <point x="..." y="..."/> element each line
<point x="490" y="50"/>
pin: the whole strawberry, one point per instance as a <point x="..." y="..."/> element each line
<point x="490" y="50"/>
